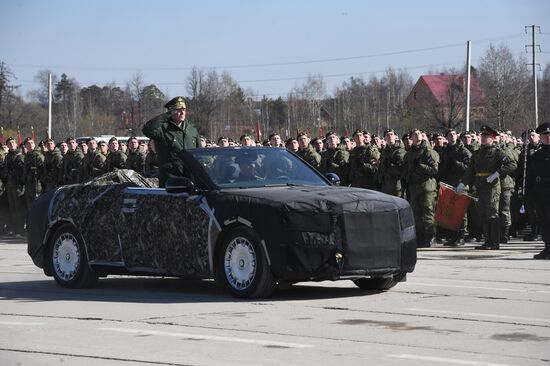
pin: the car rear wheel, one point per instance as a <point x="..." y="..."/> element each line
<point x="378" y="284"/>
<point x="243" y="267"/>
<point x="69" y="260"/>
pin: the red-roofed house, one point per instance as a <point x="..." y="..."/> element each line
<point x="446" y="94"/>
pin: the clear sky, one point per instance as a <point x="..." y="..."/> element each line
<point x="258" y="42"/>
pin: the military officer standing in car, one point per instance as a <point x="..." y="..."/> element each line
<point x="34" y="169"/>
<point x="486" y="166"/>
<point x="172" y="133"/>
<point x="538" y="184"/>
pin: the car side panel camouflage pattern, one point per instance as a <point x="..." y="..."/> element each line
<point x="164" y="231"/>
<point x="138" y="235"/>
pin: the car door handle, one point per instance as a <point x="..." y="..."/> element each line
<point x="129" y="205"/>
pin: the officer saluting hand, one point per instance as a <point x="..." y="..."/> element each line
<point x="538" y="183"/>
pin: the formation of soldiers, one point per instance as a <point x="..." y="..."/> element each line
<point x="488" y="164"/>
<point x="28" y="170"/>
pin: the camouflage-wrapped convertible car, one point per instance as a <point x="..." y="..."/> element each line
<point x="248" y="217"/>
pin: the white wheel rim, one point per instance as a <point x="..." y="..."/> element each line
<point x="66" y="257"/>
<point x="240" y="263"/>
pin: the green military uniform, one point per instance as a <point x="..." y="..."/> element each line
<point x="34" y="169"/>
<point x="136" y="161"/>
<point x="363" y="166"/>
<point x="72" y="167"/>
<point x="170" y="139"/>
<point x="335" y="160"/>
<point x="311" y="156"/>
<point x="421" y="166"/>
<point x="390" y="170"/>
<point x="5" y="218"/>
<point x="98" y="165"/>
<point x="529" y="200"/>
<point x="507" y="185"/>
<point x="53" y="168"/>
<point x="151" y="164"/>
<point x="489" y="162"/>
<point x="116" y="160"/>
<point x="15" y="164"/>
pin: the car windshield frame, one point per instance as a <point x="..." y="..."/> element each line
<point x="254" y="167"/>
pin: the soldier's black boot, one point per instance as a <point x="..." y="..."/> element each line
<point x="456" y="240"/>
<point x="533" y="235"/>
<point x="545" y="254"/>
<point x="504" y="235"/>
<point x="492" y="230"/>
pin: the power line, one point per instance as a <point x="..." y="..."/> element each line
<point x="265" y="64"/>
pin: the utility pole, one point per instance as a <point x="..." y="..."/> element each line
<point x="533" y="46"/>
<point x="49" y="105"/>
<point x="468" y="75"/>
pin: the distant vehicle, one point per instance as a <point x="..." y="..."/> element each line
<point x="106" y="138"/>
<point x="248" y="217"/>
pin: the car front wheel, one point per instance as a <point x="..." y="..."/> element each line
<point x="243" y="267"/>
<point x="69" y="260"/>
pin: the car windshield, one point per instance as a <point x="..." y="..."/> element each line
<point x="255" y="167"/>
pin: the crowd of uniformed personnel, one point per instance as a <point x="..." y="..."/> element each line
<point x="489" y="165"/>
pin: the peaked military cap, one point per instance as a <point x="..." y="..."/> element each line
<point x="175" y="103"/>
<point x="301" y="134"/>
<point x="486" y="130"/>
<point x="544" y="128"/>
<point x="10" y="139"/>
<point x="356" y="132"/>
<point x="112" y="139"/>
<point x="27" y="140"/>
<point x="69" y="139"/>
<point x="449" y="131"/>
<point x="330" y="133"/>
<point x="388" y="130"/>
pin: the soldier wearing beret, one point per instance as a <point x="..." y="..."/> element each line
<point x="420" y="169"/>
<point x="116" y="159"/>
<point x="538" y="184"/>
<point x="15" y="187"/>
<point x="53" y="165"/>
<point x="486" y="166"/>
<point x="528" y="198"/>
<point x="307" y="151"/>
<point x="172" y="133"/>
<point x="34" y="169"/>
<point x="72" y="163"/>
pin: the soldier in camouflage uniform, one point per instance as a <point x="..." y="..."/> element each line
<point x="475" y="227"/>
<point x="15" y="164"/>
<point x="307" y="151"/>
<point x="88" y="159"/>
<point x="72" y="164"/>
<point x="486" y="166"/>
<point x="507" y="185"/>
<point x="136" y="158"/>
<point x="116" y="159"/>
<point x="172" y="133"/>
<point x="455" y="158"/>
<point x="528" y="199"/>
<point x="421" y="166"/>
<point x="335" y="159"/>
<point x="151" y="161"/>
<point x="392" y="160"/>
<point x="363" y="162"/>
<point x="98" y="165"/>
<point x="34" y="170"/>
<point x="5" y="218"/>
<point x="53" y="166"/>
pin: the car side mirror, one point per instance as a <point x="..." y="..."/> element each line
<point x="180" y="185"/>
<point x="334" y="179"/>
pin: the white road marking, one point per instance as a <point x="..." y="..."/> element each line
<point x="470" y="287"/>
<point x="506" y="317"/>
<point x="2" y="322"/>
<point x="208" y="337"/>
<point x="455" y="361"/>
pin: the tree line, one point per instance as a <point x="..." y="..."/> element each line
<point x="219" y="106"/>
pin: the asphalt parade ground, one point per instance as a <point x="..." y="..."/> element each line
<point x="460" y="306"/>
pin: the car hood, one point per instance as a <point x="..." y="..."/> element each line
<point x="321" y="199"/>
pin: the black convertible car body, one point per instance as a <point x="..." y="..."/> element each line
<point x="248" y="217"/>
